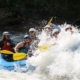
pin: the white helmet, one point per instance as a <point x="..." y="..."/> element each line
<point x="6" y="33"/>
<point x="55" y="30"/>
<point x="47" y="26"/>
<point x="68" y="26"/>
<point x="32" y="29"/>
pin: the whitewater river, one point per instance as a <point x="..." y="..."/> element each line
<point x="60" y="62"/>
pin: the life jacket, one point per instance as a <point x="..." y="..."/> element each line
<point x="6" y="47"/>
<point x="24" y="49"/>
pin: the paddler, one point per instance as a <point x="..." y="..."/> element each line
<point x="33" y="41"/>
<point x="69" y="28"/>
<point x="24" y="45"/>
<point x="7" y="44"/>
<point x="32" y="33"/>
<point x="48" y="29"/>
<point x="55" y="33"/>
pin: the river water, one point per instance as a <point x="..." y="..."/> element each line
<point x="60" y="62"/>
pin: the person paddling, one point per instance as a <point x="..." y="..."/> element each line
<point x="32" y="33"/>
<point x="55" y="33"/>
<point x="69" y="28"/>
<point x="7" y="44"/>
<point x="48" y="30"/>
<point x="24" y="45"/>
<point x="33" y="41"/>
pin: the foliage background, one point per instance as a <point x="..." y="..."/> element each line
<point x="63" y="10"/>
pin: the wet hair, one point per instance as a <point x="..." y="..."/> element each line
<point x="3" y="38"/>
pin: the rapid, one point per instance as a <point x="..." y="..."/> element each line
<point x="61" y="61"/>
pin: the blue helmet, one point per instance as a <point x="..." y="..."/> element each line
<point x="26" y="36"/>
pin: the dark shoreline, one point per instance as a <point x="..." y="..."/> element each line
<point x="17" y="25"/>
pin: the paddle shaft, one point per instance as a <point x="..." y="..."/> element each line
<point x="50" y="20"/>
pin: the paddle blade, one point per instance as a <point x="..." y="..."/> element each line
<point x="19" y="56"/>
<point x="6" y="52"/>
<point x="44" y="48"/>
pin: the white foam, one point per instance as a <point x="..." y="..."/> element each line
<point x="60" y="62"/>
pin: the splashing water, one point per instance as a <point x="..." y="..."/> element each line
<point x="60" y="62"/>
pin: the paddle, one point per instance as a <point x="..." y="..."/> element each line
<point x="19" y="56"/>
<point x="16" y="56"/>
<point x="6" y="52"/>
<point x="44" y="48"/>
<point x="50" y="20"/>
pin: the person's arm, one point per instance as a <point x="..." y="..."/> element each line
<point x="19" y="45"/>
